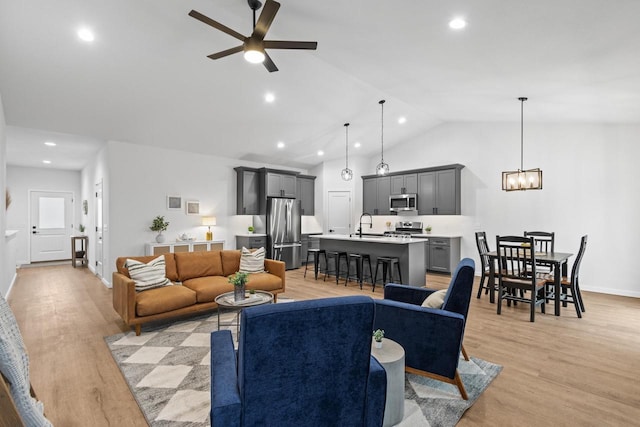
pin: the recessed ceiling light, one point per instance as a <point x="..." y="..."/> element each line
<point x="86" y="34"/>
<point x="320" y="153"/>
<point x="457" y="23"/>
<point x="269" y="97"/>
<point x="280" y="144"/>
<point x="46" y="162"/>
<point x="357" y="145"/>
<point x="50" y="144"/>
<point x="402" y="120"/>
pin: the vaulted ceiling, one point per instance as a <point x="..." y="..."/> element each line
<point x="146" y="78"/>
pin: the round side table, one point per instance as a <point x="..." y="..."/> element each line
<point x="391" y="357"/>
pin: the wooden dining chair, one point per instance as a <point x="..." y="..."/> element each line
<point x="571" y="288"/>
<point x="483" y="250"/>
<point x="544" y="242"/>
<point x="517" y="272"/>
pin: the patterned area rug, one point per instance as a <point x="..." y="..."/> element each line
<point x="167" y="368"/>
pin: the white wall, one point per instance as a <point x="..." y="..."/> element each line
<point x="140" y="178"/>
<point x="590" y="187"/>
<point x="5" y="283"/>
<point x="21" y="180"/>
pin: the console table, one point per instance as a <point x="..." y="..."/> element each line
<point x="183" y="246"/>
<point x="79" y="251"/>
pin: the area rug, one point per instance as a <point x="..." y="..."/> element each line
<point x="167" y="369"/>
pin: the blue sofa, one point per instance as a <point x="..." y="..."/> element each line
<point x="299" y="364"/>
<point x="431" y="338"/>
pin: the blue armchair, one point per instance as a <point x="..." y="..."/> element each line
<point x="432" y="338"/>
<point x="298" y="364"/>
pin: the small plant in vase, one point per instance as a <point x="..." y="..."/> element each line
<point x="239" y="281"/>
<point x="159" y="225"/>
<point x="388" y="224"/>
<point x="251" y="229"/>
<point x="81" y="228"/>
<point x="428" y="229"/>
<point x="378" y="334"/>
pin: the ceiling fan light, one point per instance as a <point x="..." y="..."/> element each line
<point x="254" y="56"/>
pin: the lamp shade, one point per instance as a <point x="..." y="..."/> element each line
<point x="209" y="220"/>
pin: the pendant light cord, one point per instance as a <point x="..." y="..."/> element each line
<point x="522" y="99"/>
<point x="381" y="130"/>
<point x="346" y="129"/>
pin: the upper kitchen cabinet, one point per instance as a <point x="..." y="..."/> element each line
<point x="439" y="191"/>
<point x="306" y="194"/>
<point x="404" y="184"/>
<point x="375" y="195"/>
<point x="279" y="184"/>
<point x="248" y="189"/>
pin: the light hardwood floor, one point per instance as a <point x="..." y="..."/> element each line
<point x="557" y="371"/>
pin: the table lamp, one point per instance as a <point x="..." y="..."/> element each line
<point x="209" y="221"/>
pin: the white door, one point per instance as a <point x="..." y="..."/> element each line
<point x="50" y="218"/>
<point x="98" y="250"/>
<point x="339" y="212"/>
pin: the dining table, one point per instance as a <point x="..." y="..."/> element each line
<point x="558" y="260"/>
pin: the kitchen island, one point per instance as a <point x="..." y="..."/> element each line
<point x="410" y="252"/>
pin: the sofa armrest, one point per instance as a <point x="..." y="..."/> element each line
<point x="376" y="394"/>
<point x="406" y="293"/>
<point x="276" y="268"/>
<point x="124" y="296"/>
<point x="431" y="337"/>
<point x="226" y="406"/>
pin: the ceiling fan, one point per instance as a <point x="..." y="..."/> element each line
<point x="254" y="46"/>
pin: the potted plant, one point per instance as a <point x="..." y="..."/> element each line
<point x="428" y="229"/>
<point x="251" y="229"/>
<point x="238" y="280"/>
<point x="159" y="225"/>
<point x="388" y="224"/>
<point x="378" y="334"/>
<point x="81" y="228"/>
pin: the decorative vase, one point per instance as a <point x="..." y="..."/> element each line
<point x="238" y="293"/>
<point x="378" y="344"/>
<point x="160" y="238"/>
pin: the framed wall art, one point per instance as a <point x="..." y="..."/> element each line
<point x="174" y="202"/>
<point x="193" y="207"/>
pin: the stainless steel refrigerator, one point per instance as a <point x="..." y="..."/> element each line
<point x="284" y="240"/>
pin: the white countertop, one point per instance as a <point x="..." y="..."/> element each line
<point x="251" y="235"/>
<point x="370" y="239"/>
<point x="425" y="235"/>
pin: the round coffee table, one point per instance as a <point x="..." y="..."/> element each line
<point x="391" y="357"/>
<point x="227" y="302"/>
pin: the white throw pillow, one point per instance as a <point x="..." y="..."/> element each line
<point x="150" y="275"/>
<point x="435" y="300"/>
<point x="252" y="262"/>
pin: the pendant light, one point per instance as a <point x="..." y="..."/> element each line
<point x="382" y="168"/>
<point x="530" y="179"/>
<point x="347" y="173"/>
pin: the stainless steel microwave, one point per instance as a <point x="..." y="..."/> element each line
<point x="403" y="202"/>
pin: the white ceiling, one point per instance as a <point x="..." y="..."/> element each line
<point x="146" y="79"/>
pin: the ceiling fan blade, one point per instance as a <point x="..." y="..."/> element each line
<point x="269" y="11"/>
<point x="200" y="17"/>
<point x="227" y="52"/>
<point x="283" y="44"/>
<point x="268" y="63"/>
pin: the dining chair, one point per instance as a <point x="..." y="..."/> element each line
<point x="544" y="241"/>
<point x="571" y="288"/>
<point x="517" y="261"/>
<point x="483" y="250"/>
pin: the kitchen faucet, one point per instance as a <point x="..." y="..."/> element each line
<point x="370" y="222"/>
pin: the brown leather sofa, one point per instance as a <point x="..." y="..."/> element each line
<point x="203" y="276"/>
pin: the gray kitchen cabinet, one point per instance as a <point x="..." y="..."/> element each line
<point x="444" y="254"/>
<point x="404" y="184"/>
<point x="251" y="242"/>
<point x="306" y="194"/>
<point x="375" y="195"/>
<point x="248" y="190"/>
<point x="439" y="192"/>
<point x="280" y="185"/>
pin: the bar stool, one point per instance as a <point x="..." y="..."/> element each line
<point x="336" y="256"/>
<point x="359" y="260"/>
<point x="316" y="260"/>
<point x="387" y="265"/>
